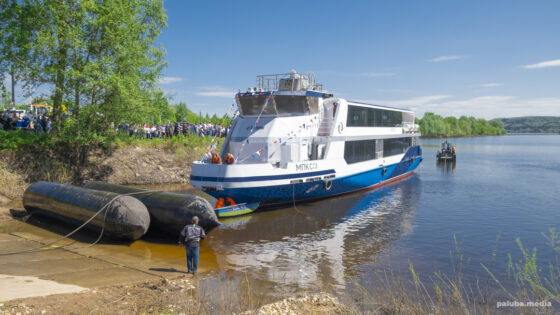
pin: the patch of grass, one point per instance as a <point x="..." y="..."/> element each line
<point x="16" y="140"/>
<point x="184" y="148"/>
<point x="442" y="294"/>
<point x="12" y="184"/>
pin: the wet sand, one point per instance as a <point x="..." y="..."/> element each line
<point x="73" y="261"/>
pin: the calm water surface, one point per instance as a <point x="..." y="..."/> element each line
<point x="500" y="189"/>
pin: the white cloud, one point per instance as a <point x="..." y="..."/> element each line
<point x="544" y="64"/>
<point x="488" y="107"/>
<point x="488" y="85"/>
<point x="446" y="58"/>
<point x="377" y="74"/>
<point x="169" y="80"/>
<point x="216" y="91"/>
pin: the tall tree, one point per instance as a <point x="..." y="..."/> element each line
<point x="96" y="53"/>
<point x="15" y="37"/>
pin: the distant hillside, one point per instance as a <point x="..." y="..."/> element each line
<point x="532" y="124"/>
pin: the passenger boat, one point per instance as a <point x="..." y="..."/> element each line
<point x="292" y="141"/>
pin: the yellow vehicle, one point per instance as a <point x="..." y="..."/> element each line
<point x="40" y="110"/>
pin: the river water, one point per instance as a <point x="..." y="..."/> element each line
<point x="442" y="218"/>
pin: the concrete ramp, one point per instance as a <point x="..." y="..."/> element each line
<point x="18" y="287"/>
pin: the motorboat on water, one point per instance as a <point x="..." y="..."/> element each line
<point x="448" y="152"/>
<point x="292" y="141"/>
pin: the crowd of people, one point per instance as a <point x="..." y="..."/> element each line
<point x="43" y="124"/>
<point x="172" y="130"/>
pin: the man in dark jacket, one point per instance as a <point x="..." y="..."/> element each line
<point x="190" y="238"/>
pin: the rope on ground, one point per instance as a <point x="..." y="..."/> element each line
<point x="103" y="209"/>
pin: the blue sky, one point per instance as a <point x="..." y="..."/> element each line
<point x="449" y="57"/>
<point x="481" y="58"/>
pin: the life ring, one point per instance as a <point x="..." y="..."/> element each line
<point x="327" y="184"/>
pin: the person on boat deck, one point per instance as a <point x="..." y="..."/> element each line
<point x="190" y="238"/>
<point x="448" y="147"/>
<point x="453" y="150"/>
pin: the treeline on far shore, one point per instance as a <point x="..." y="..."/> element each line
<point x="432" y="125"/>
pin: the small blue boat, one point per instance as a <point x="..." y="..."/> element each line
<point x="236" y="210"/>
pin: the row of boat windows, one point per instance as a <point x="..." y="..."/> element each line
<point x="365" y="150"/>
<point x="254" y="105"/>
<point x="359" y="116"/>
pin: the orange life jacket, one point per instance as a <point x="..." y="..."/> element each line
<point x="219" y="203"/>
<point x="229" y="159"/>
<point x="216" y="158"/>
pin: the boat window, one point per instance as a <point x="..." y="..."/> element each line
<point x="359" y="116"/>
<point x="358" y="151"/>
<point x="291" y="104"/>
<point x="252" y="105"/>
<point x="396" y="146"/>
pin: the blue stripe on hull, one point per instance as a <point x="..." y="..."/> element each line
<point x="281" y="194"/>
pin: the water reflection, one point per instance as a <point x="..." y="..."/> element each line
<point x="446" y="167"/>
<point x="315" y="245"/>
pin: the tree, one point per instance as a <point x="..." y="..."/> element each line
<point x="100" y="53"/>
<point x="15" y="37"/>
<point x="181" y="111"/>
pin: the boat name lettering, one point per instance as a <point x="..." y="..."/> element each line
<point x="306" y="167"/>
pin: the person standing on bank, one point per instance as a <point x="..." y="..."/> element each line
<point x="190" y="238"/>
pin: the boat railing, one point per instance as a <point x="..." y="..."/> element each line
<point x="410" y="127"/>
<point x="270" y="82"/>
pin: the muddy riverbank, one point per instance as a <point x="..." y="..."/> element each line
<point x="138" y="163"/>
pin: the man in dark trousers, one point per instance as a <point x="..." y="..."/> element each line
<point x="190" y="237"/>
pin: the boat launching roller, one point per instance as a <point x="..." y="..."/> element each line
<point x="124" y="217"/>
<point x="170" y="212"/>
